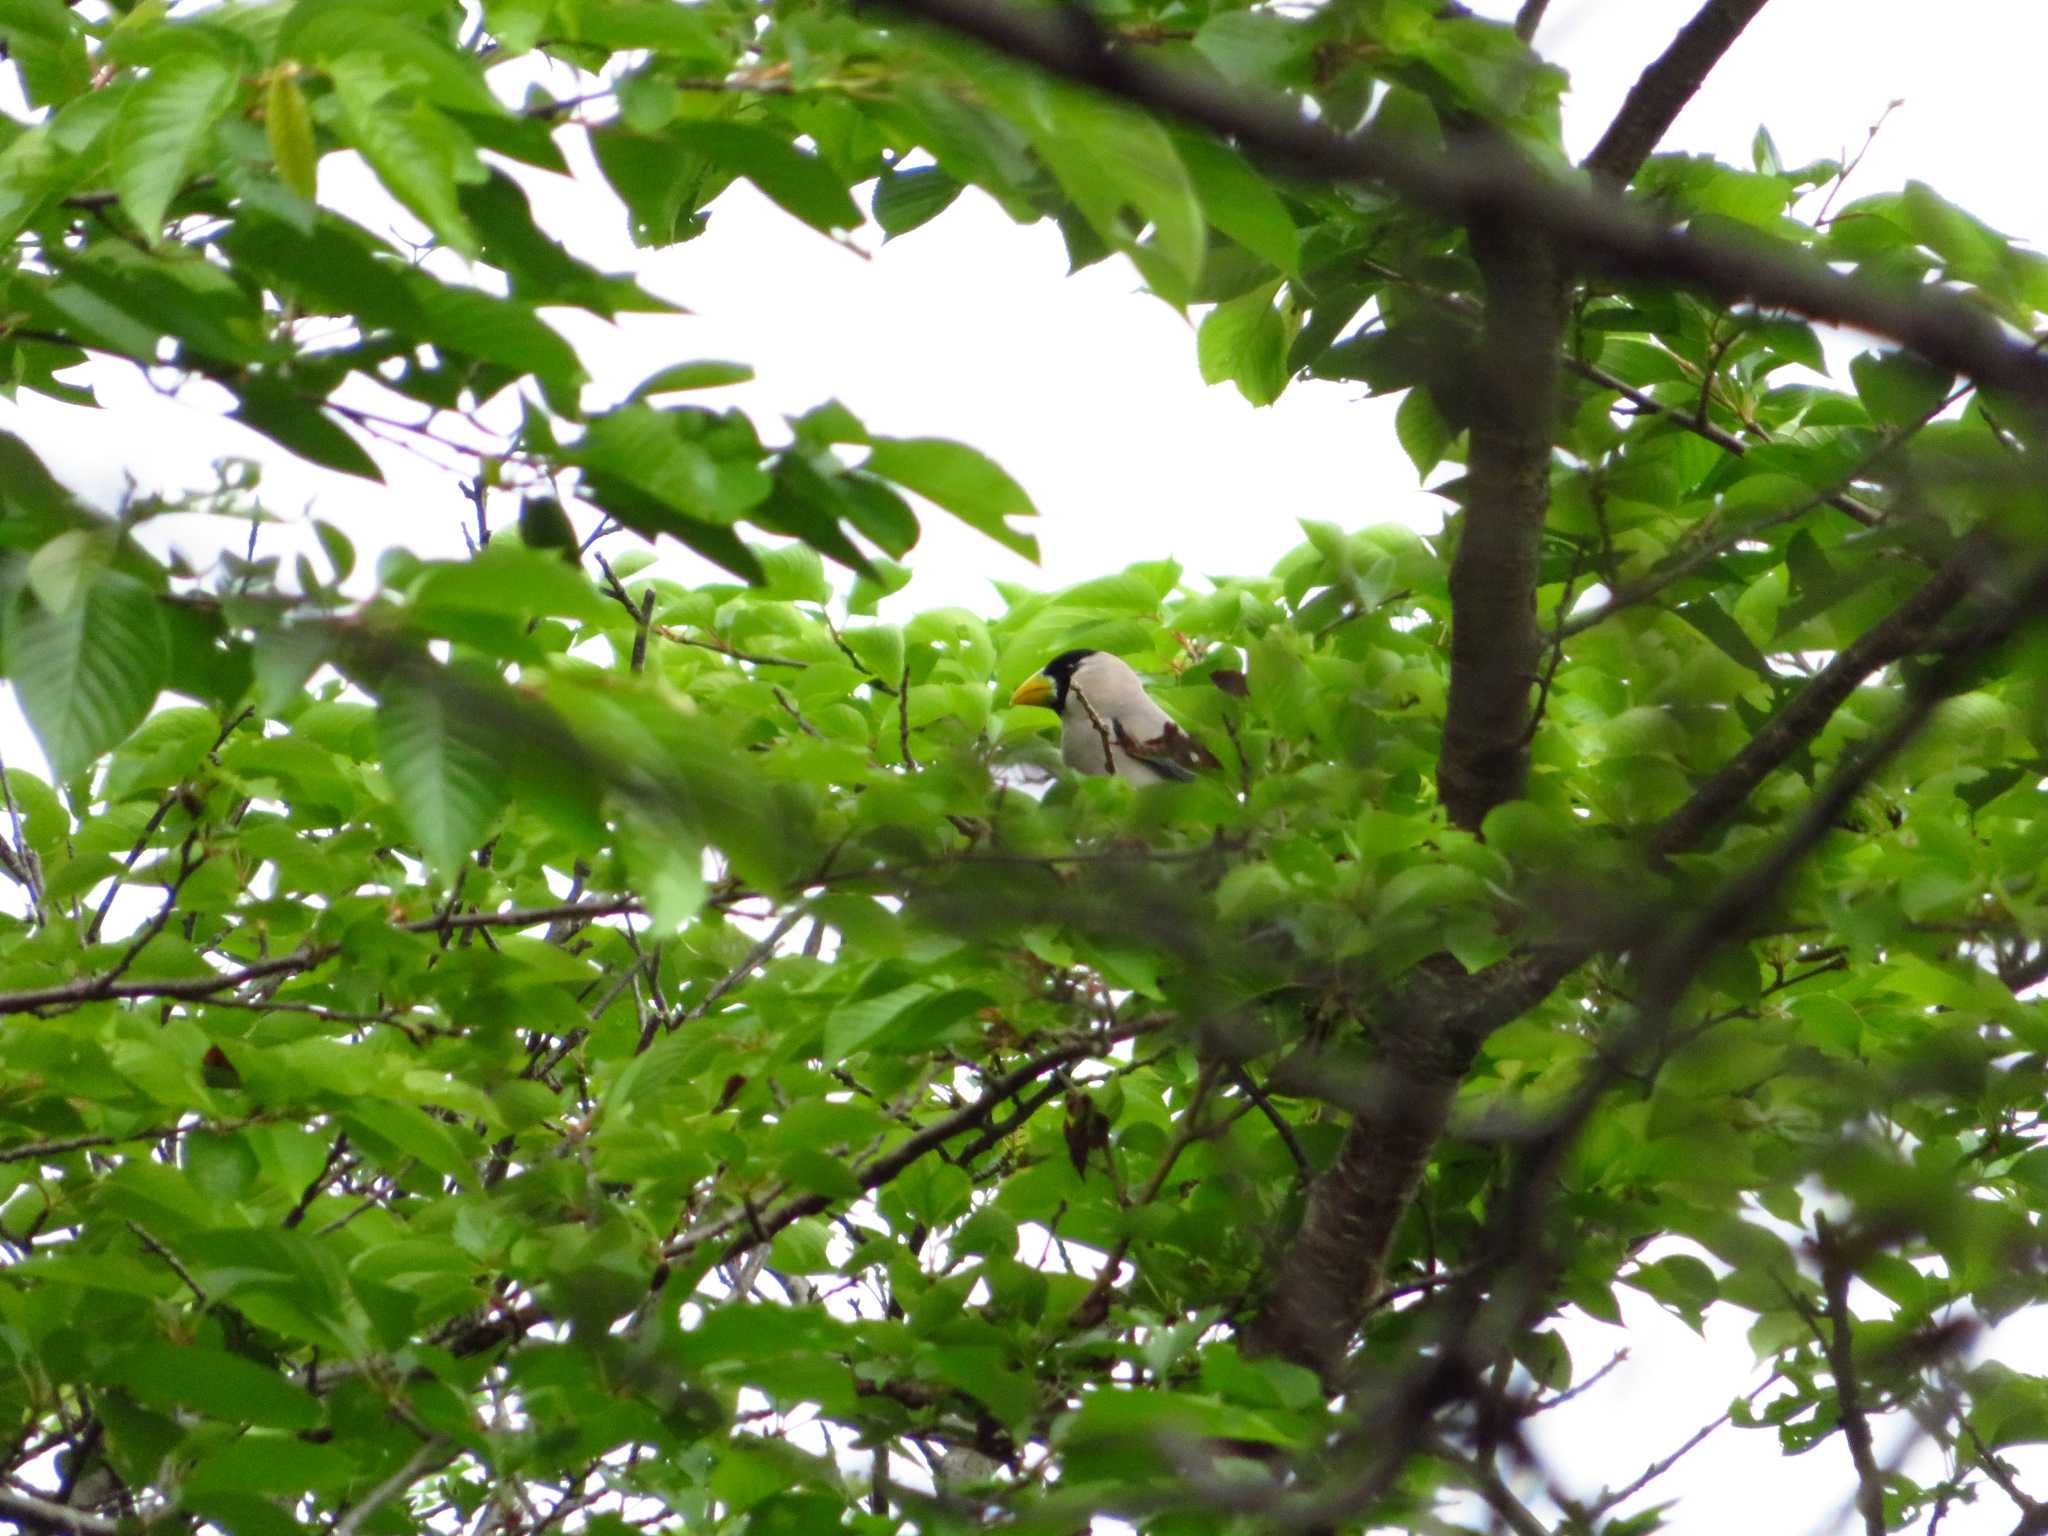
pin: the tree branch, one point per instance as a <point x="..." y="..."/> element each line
<point x="1494" y="643"/>
<point x="1908" y="629"/>
<point x="1665" y="87"/>
<point x="1839" y="1342"/>
<point x="762" y="1226"/>
<point x="1426" y="1036"/>
<point x="109" y="987"/>
<point x="43" y="1515"/>
<point x="1588" y="230"/>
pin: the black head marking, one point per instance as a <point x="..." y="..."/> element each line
<point x="1061" y="670"/>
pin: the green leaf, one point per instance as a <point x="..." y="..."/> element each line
<point x="417" y="152"/>
<point x="290" y="129"/>
<point x="87" y="676"/>
<point x="282" y="1466"/>
<point x="163" y="125"/>
<point x="1240" y="202"/>
<point x="1244" y="340"/>
<point x="340" y="551"/>
<point x="681" y="376"/>
<point x="799" y="182"/>
<point x="963" y="480"/>
<point x="1423" y="432"/>
<point x="1255" y="49"/>
<point x="648" y="514"/>
<point x="1763" y="153"/>
<point x="443" y="761"/>
<point x="905" y="199"/>
<point x="220" y="1385"/>
<point x="1712" y="620"/>
<point x="1898" y="388"/>
<point x="68" y="565"/>
<point x="1124" y="174"/>
<point x="273" y="408"/>
<point x="49" y="21"/>
<point x="666" y="859"/>
<point x="670" y="456"/>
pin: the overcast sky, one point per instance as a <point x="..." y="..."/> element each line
<point x="1087" y="391"/>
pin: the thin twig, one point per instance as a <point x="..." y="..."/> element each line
<point x="789" y="707"/>
<point x="171" y="1259"/>
<point x="25" y="856"/>
<point x="1108" y="753"/>
<point x="1839" y="1342"/>
<point x="640" y="631"/>
<point x="903" y="720"/>
<point x="1842" y="179"/>
<point x="43" y="1515"/>
<point x="429" y="1455"/>
<point x="1251" y="1090"/>
<point x="34" y="1150"/>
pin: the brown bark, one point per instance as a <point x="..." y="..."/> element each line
<point x="1494" y="642"/>
<point x="1663" y="89"/>
<point x="1426" y="1037"/>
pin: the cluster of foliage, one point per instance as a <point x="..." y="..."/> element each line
<point x="545" y="1045"/>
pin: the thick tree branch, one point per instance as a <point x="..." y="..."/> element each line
<point x="1494" y="643"/>
<point x="1429" y="1035"/>
<point x="1588" y="230"/>
<point x="1664" y="88"/>
<point x="1426" y="1039"/>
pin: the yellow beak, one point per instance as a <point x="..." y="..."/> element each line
<point x="1036" y="689"/>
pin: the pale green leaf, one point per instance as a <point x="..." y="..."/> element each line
<point x="163" y="125"/>
<point x="85" y="677"/>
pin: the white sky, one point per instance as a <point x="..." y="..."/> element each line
<point x="1087" y="391"/>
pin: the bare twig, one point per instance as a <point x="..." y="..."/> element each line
<point x="761" y="1226"/>
<point x="1101" y="730"/>
<point x="639" y="661"/>
<point x="432" y="1454"/>
<point x="1842" y="180"/>
<point x="35" y="1150"/>
<point x="1278" y="1121"/>
<point x="1840" y="1344"/>
<point x="38" y="1514"/>
<point x="1663" y="1464"/>
<point x="108" y="987"/>
<point x="903" y="720"/>
<point x="25" y="865"/>
<point x="1657" y="98"/>
<point x="789" y="708"/>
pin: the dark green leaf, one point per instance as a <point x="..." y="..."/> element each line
<point x="960" y="479"/>
<point x="800" y="182"/>
<point x="443" y="759"/>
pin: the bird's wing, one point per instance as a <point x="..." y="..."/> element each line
<point x="1172" y="753"/>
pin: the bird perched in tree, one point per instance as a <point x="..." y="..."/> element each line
<point x="1109" y="724"/>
